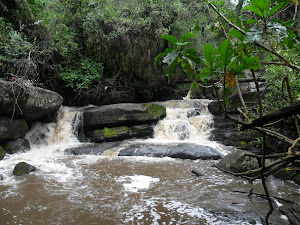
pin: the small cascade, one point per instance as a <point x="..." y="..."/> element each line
<point x="63" y="132"/>
<point x="186" y="121"/>
<point x="47" y="142"/>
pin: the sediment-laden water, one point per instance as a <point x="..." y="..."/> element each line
<point x="89" y="189"/>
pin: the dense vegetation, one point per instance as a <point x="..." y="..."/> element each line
<point x="99" y="51"/>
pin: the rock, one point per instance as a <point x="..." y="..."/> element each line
<point x="23" y="168"/>
<point x="12" y="128"/>
<point x="250" y="99"/>
<point x="296" y="179"/>
<point x="120" y="133"/>
<point x="18" y="145"/>
<point x="237" y="162"/>
<point x="93" y="149"/>
<point x="182" y="151"/>
<point x="34" y="102"/>
<point x="2" y="153"/>
<point x="127" y="114"/>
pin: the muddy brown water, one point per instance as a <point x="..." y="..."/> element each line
<point x="135" y="190"/>
<point x="90" y="189"/>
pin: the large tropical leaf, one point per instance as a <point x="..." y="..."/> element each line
<point x="275" y="9"/>
<point x="159" y="56"/>
<point x="186" y="36"/>
<point x="170" y="38"/>
<point x="193" y="55"/>
<point x="225" y="51"/>
<point x="170" y="57"/>
<point x="209" y="53"/>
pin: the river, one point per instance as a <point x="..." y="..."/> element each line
<point x="106" y="189"/>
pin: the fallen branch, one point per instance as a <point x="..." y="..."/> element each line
<point x="276" y="115"/>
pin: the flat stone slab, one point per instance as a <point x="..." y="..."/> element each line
<point x="181" y="151"/>
<point x="177" y="150"/>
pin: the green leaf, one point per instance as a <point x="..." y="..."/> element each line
<point x="186" y="36"/>
<point x="193" y="55"/>
<point x="159" y="56"/>
<point x="288" y="23"/>
<point x="209" y="53"/>
<point x="251" y="21"/>
<point x="170" y="57"/>
<point x="254" y="9"/>
<point x="205" y="73"/>
<point x="225" y="51"/>
<point x="170" y="38"/>
<point x="170" y="69"/>
<point x="236" y="33"/>
<point x="183" y="44"/>
<point x="252" y="63"/>
<point x="275" y="9"/>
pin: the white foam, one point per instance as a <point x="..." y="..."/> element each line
<point x="137" y="182"/>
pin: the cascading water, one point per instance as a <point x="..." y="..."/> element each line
<point x="92" y="189"/>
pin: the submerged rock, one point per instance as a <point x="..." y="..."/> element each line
<point x="237" y="162"/>
<point x="93" y="149"/>
<point x="32" y="102"/>
<point x="12" y="128"/>
<point x="2" y="153"/>
<point x="23" y="168"/>
<point x="18" y="145"/>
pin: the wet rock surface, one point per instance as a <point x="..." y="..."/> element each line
<point x="238" y="162"/>
<point x="12" y="128"/>
<point x="2" y="153"/>
<point x="27" y="102"/>
<point x="182" y="151"/>
<point x="18" y="145"/>
<point x="23" y="168"/>
<point x="123" y="114"/>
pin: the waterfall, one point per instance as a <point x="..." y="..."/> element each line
<point x="186" y="121"/>
<point x="47" y="142"/>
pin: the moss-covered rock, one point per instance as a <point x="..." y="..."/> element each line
<point x="125" y="114"/>
<point x="238" y="162"/>
<point x="18" y="145"/>
<point x="120" y="133"/>
<point x="2" y="153"/>
<point x="156" y="111"/>
<point x="23" y="168"/>
<point x="12" y="128"/>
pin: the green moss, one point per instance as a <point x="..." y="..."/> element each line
<point x="112" y="132"/>
<point x="156" y="110"/>
<point x="100" y="116"/>
<point x="243" y="144"/>
<point x="2" y="153"/>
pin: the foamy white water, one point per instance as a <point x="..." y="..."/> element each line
<point x="186" y="121"/>
<point x="48" y="142"/>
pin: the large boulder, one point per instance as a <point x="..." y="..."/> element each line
<point x="238" y="162"/>
<point x="182" y="151"/>
<point x="12" y="128"/>
<point x="122" y="114"/>
<point x="2" y="153"/>
<point x="120" y="133"/>
<point x="18" y="145"/>
<point x="23" y="168"/>
<point x="28" y="102"/>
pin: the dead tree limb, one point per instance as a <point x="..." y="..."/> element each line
<point x="276" y="115"/>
